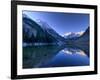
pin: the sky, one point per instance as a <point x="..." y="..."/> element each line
<point x="61" y="22"/>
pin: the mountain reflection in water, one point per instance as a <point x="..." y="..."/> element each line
<point x="54" y="56"/>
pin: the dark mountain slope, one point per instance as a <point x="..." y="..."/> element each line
<point x="35" y="33"/>
<point x="84" y="38"/>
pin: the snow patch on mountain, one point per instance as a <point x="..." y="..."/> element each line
<point x="43" y="24"/>
<point x="73" y="34"/>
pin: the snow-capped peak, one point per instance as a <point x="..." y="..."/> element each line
<point x="72" y="34"/>
<point x="80" y="33"/>
<point x="66" y="34"/>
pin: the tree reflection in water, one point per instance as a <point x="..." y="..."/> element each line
<point x="54" y="56"/>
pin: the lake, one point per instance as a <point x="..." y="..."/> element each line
<point x="55" y="56"/>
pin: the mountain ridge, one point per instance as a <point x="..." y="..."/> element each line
<point x="38" y="34"/>
<point x="70" y="35"/>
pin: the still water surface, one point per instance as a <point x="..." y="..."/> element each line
<point x="54" y="56"/>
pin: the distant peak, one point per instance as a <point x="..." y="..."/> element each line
<point x="73" y="34"/>
<point x="80" y="33"/>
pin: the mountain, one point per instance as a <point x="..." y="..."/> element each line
<point x="80" y="39"/>
<point x="84" y="38"/>
<point x="39" y="33"/>
<point x="70" y="35"/>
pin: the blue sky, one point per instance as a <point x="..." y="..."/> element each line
<point x="61" y="22"/>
